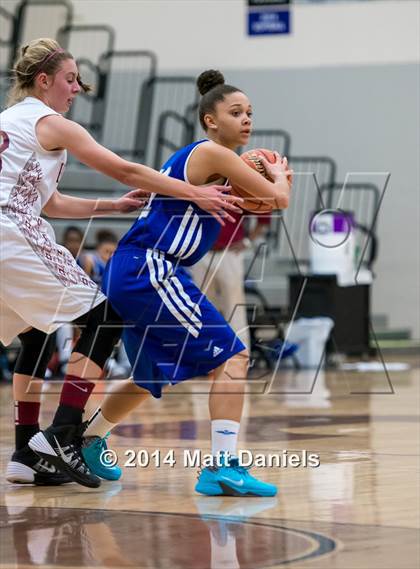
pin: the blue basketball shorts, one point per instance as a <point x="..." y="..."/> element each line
<point x="171" y="331"/>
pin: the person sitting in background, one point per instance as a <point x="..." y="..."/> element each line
<point x="73" y="240"/>
<point x="106" y="243"/>
<point x="220" y="274"/>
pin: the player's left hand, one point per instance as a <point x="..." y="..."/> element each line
<point x="131" y="201"/>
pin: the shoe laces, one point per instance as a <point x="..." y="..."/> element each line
<point x="201" y="469"/>
<point x="77" y="461"/>
<point x="98" y="442"/>
<point x="101" y="442"/>
<point x="234" y="463"/>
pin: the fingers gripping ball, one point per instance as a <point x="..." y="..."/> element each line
<point x="253" y="159"/>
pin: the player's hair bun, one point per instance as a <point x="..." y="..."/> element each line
<point x="208" y="80"/>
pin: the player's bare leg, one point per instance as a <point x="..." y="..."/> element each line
<point x="227" y="477"/>
<point x="124" y="397"/>
<point x="228" y="387"/>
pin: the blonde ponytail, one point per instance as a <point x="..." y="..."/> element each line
<point x="44" y="54"/>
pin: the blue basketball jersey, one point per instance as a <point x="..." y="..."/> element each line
<point x="175" y="227"/>
<point x="173" y="332"/>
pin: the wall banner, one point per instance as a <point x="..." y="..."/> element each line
<point x="268" y="17"/>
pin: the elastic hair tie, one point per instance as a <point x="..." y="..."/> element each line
<point x="46" y="60"/>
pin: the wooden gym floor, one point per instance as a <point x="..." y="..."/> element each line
<point x="358" y="509"/>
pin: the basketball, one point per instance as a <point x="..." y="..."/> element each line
<point x="252" y="159"/>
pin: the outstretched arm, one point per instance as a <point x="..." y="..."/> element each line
<point x="70" y="207"/>
<point x="55" y="132"/>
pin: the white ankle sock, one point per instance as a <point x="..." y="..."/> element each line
<point x="224" y="436"/>
<point x="98" y="425"/>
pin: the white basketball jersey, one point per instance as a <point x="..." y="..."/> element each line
<point x="41" y="284"/>
<point x="29" y="174"/>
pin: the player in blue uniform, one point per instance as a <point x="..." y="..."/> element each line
<point x="172" y="332"/>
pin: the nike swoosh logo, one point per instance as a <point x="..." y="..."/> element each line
<point x="66" y="459"/>
<point x="78" y="387"/>
<point x="236" y="482"/>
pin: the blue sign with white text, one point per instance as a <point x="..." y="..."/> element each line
<point x="268" y="22"/>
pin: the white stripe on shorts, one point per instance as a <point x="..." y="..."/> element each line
<point x="163" y="295"/>
<point x="165" y="282"/>
<point x="181" y="290"/>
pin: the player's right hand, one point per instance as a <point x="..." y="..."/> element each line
<point x="276" y="169"/>
<point x="216" y="201"/>
<point x="279" y="169"/>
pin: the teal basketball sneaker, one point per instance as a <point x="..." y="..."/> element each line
<point x="232" y="480"/>
<point x="94" y="452"/>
